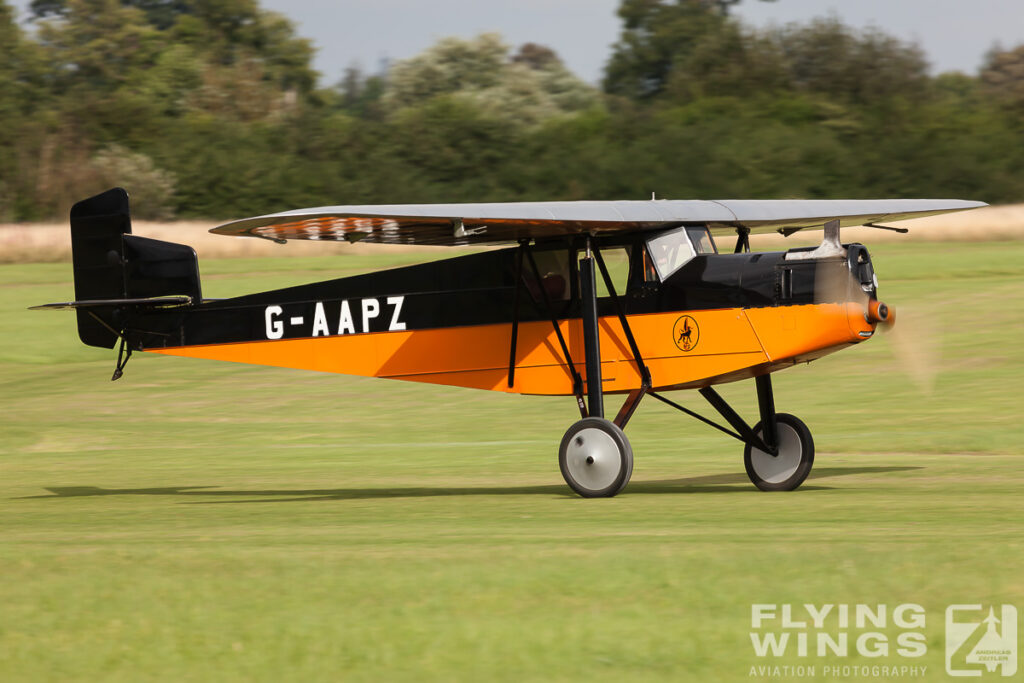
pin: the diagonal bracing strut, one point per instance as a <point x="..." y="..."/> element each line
<point x="515" y="315"/>
<point x="633" y="399"/>
<point x="577" y="381"/>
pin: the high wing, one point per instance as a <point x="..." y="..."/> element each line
<point x="488" y="223"/>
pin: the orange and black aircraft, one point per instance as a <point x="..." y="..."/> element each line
<point x="589" y="299"/>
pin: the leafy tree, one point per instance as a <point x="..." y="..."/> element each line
<point x="360" y="94"/>
<point x="211" y="108"/>
<point x="236" y="31"/>
<point x="450" y="66"/>
<point x="454" y="147"/>
<point x="1003" y="76"/>
<point x="95" y="45"/>
<point x="723" y="5"/>
<point x="536" y="56"/>
<point x="828" y="57"/>
<point x="15" y="105"/>
<point x="229" y="31"/>
<point x="151" y="188"/>
<point x="658" y="38"/>
<point x="524" y="90"/>
<point x="729" y="61"/>
<point x="22" y="70"/>
<point x="160" y="13"/>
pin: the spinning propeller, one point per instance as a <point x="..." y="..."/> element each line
<point x="912" y="341"/>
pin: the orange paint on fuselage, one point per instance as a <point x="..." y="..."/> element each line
<point x="730" y="344"/>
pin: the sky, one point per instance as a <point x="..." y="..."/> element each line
<point x="955" y="34"/>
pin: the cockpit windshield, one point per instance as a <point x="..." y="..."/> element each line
<point x="671" y="250"/>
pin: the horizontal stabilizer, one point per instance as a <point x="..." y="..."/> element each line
<point x="144" y="302"/>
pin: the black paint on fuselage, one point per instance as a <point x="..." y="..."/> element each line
<point x="477" y="289"/>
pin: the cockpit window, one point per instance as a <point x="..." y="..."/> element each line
<point x="669" y="251"/>
<point x="701" y="239"/>
<point x="553" y="267"/>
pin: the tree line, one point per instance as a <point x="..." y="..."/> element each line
<point x="211" y="108"/>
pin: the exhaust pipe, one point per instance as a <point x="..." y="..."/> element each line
<point x="879" y="313"/>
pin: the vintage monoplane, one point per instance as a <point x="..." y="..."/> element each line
<point x="668" y="312"/>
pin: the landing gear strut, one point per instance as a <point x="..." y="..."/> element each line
<point x="595" y="457"/>
<point x="778" y="451"/>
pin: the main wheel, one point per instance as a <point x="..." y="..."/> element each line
<point x="595" y="458"/>
<point x="790" y="467"/>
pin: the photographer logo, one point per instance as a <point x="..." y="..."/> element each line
<point x="981" y="640"/>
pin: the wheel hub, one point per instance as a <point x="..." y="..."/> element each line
<point x="778" y="468"/>
<point x="593" y="459"/>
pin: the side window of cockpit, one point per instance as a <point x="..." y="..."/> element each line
<point x="616" y="259"/>
<point x="700" y="237"/>
<point x="669" y="251"/>
<point x="553" y="267"/>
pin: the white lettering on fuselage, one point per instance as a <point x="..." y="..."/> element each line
<point x="345" y="324"/>
<point x="396" y="324"/>
<point x="369" y="310"/>
<point x="320" y="321"/>
<point x="275" y="328"/>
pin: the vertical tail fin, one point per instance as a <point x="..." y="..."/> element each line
<point x="98" y="225"/>
<point x="110" y="263"/>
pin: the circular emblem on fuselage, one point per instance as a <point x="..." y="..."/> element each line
<point x="685" y="333"/>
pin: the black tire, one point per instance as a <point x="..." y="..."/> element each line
<point x="796" y="450"/>
<point x="595" y="458"/>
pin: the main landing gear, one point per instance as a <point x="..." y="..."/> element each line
<point x="596" y="459"/>
<point x="595" y="456"/>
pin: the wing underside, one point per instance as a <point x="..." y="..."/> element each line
<point x="490" y="223"/>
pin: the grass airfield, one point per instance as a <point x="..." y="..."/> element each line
<point x="205" y="521"/>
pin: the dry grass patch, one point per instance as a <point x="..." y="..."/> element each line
<point x="51" y="242"/>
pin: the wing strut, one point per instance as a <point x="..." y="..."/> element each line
<point x="645" y="374"/>
<point x="633" y="400"/>
<point x="742" y="239"/>
<point x="577" y="381"/>
<point x="515" y="315"/>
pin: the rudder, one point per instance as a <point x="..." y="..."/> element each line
<point x="110" y="263"/>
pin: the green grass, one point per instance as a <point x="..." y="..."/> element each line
<point x="204" y="521"/>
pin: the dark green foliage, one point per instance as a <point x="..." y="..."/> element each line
<point x="828" y="58"/>
<point x="215" y="109"/>
<point x="1003" y="77"/>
